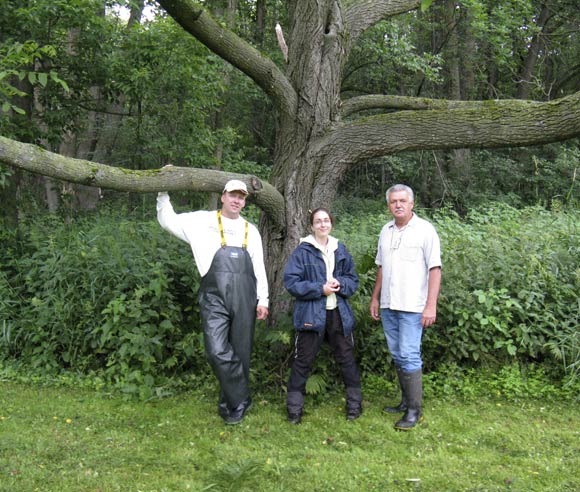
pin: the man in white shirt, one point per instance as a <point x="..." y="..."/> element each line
<point x="234" y="289"/>
<point x="405" y="295"/>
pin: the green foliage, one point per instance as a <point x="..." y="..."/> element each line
<point x="15" y="63"/>
<point x="510" y="284"/>
<point x="566" y="348"/>
<point x="170" y="85"/>
<point x="240" y="475"/>
<point x="77" y="297"/>
<point x="509" y="292"/>
<point x="425" y="4"/>
<point x="122" y="305"/>
<point x="386" y="58"/>
<point x="546" y="176"/>
<point x="512" y="382"/>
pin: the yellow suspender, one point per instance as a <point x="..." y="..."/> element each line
<point x="222" y="236"/>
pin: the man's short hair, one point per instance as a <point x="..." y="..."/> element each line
<point x="400" y="187"/>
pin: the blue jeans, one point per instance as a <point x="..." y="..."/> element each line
<point x="403" y="332"/>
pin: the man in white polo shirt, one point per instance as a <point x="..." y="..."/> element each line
<point x="233" y="291"/>
<point x="405" y="295"/>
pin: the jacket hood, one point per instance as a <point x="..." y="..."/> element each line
<point x="332" y="243"/>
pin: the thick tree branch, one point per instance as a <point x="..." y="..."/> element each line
<point x="401" y="103"/>
<point x="488" y="124"/>
<point x="223" y="42"/>
<point x="362" y="14"/>
<point x="39" y="161"/>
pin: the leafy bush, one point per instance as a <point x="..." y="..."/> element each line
<point x="511" y="283"/>
<point x="116" y="298"/>
<point x="509" y="291"/>
<point x="103" y="293"/>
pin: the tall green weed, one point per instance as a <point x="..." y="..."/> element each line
<point x="116" y="297"/>
<point x="103" y="293"/>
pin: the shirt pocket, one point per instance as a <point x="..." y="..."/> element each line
<point x="410" y="252"/>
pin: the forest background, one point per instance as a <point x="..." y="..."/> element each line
<point x="90" y="285"/>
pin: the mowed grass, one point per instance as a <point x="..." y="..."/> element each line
<point x="66" y="439"/>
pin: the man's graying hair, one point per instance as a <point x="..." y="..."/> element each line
<point x="400" y="187"/>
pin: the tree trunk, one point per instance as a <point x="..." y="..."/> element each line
<point x="459" y="159"/>
<point x="316" y="52"/>
<point x="526" y="74"/>
<point x="136" y="11"/>
<point x="260" y="22"/>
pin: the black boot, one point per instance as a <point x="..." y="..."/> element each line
<point x="413" y="388"/>
<point x="353" y="403"/>
<point x="236" y="415"/>
<point x="294" y="406"/>
<point x="401" y="407"/>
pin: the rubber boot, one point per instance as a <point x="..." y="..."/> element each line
<point x="401" y="407"/>
<point x="294" y="406"/>
<point x="353" y="403"/>
<point x="413" y="388"/>
<point x="223" y="410"/>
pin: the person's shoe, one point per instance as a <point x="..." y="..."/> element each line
<point x="223" y="410"/>
<point x="236" y="415"/>
<point x="410" y="419"/>
<point x="353" y="413"/>
<point x="353" y="403"/>
<point x="400" y="408"/>
<point x="295" y="418"/>
<point x="294" y="406"/>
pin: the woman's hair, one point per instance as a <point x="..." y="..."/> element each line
<point x="320" y="209"/>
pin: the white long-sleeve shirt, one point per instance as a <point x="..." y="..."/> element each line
<point x="200" y="230"/>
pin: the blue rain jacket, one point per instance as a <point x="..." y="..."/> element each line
<point x="304" y="277"/>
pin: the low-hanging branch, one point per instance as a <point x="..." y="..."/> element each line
<point x="453" y="125"/>
<point x="170" y="178"/>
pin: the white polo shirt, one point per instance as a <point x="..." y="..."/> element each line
<point x="200" y="230"/>
<point x="406" y="256"/>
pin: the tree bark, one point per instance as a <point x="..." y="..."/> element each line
<point x="525" y="80"/>
<point x="171" y="178"/>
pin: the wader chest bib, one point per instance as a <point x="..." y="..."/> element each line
<point x="227" y="300"/>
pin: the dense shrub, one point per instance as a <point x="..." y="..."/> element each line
<point x="510" y="289"/>
<point x="116" y="297"/>
<point x="101" y="294"/>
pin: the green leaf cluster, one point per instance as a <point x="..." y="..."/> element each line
<point x="115" y="296"/>
<point x="16" y="62"/>
<point x="101" y="294"/>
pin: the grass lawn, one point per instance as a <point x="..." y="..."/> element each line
<point x="66" y="439"/>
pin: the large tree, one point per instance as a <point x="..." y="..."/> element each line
<point x="319" y="136"/>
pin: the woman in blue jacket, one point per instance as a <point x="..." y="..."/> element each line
<point x="320" y="275"/>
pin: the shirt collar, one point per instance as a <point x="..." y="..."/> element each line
<point x="391" y="224"/>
